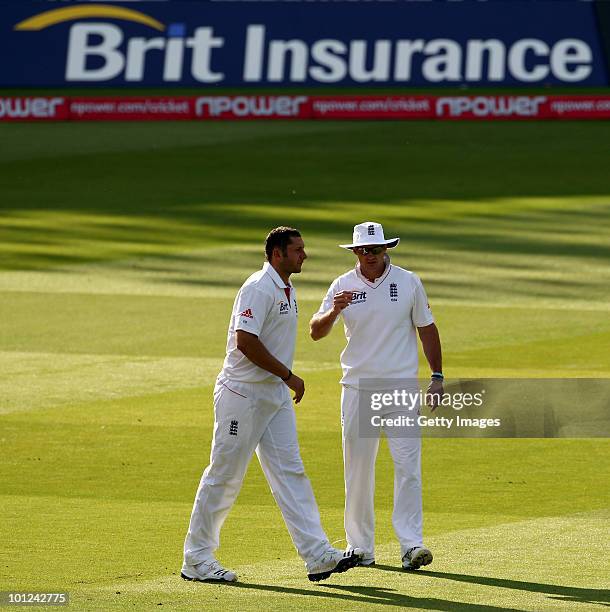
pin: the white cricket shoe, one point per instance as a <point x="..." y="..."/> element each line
<point x="415" y="557"/>
<point x="208" y="570"/>
<point x="367" y="559"/>
<point x="333" y="561"/>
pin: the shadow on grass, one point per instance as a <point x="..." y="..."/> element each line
<point x="374" y="595"/>
<point x="40" y="247"/>
<point x="563" y="593"/>
<point x="446" y="188"/>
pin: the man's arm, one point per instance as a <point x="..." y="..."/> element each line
<point x="431" y="343"/>
<point x="250" y="345"/>
<point x="321" y="323"/>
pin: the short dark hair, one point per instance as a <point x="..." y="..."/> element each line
<point x="279" y="237"/>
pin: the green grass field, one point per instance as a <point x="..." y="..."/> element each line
<point x="121" y="249"/>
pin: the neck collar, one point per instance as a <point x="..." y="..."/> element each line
<point x="277" y="279"/>
<point x="379" y="279"/>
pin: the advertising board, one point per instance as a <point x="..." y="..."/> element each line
<point x="290" y="44"/>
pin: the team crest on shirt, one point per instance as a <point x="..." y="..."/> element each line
<point x="284" y="307"/>
<point x="358" y="297"/>
<point x="393" y="292"/>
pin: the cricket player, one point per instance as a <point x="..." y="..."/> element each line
<point x="253" y="411"/>
<point x="382" y="306"/>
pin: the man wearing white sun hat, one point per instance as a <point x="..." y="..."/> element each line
<point x="382" y="306"/>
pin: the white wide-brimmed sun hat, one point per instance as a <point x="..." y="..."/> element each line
<point x="369" y="233"/>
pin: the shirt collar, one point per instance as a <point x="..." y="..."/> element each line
<point x="272" y="272"/>
<point x="386" y="259"/>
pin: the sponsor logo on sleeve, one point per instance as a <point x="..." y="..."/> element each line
<point x="247" y="313"/>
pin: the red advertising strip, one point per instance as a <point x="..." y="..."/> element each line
<point x="33" y="108"/>
<point x="511" y="107"/>
<point x="131" y="109"/>
<point x="373" y="107"/>
<point x="252" y="107"/>
<point x="579" y="107"/>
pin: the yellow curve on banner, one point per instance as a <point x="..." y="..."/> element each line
<point x="69" y="13"/>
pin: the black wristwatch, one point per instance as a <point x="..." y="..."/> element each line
<point x="287" y="377"/>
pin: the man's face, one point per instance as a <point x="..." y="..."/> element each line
<point x="295" y="255"/>
<point x="371" y="261"/>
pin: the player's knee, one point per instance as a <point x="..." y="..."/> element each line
<point x="292" y="466"/>
<point x="223" y="470"/>
<point x="298" y="469"/>
<point x="409" y="478"/>
<point x="223" y="478"/>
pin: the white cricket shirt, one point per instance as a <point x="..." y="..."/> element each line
<point x="380" y="323"/>
<point x="266" y="307"/>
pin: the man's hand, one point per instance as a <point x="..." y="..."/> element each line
<point x="321" y="324"/>
<point x="342" y="300"/>
<point x="434" y="393"/>
<point x="298" y="386"/>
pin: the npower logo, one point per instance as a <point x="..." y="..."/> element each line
<point x="95" y="48"/>
<point x="489" y="106"/>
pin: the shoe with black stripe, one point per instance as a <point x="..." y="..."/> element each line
<point x="333" y="561"/>
<point x="366" y="560"/>
<point x="209" y="570"/>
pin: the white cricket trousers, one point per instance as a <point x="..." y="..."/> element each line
<point x="249" y="417"/>
<point x="359" y="455"/>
